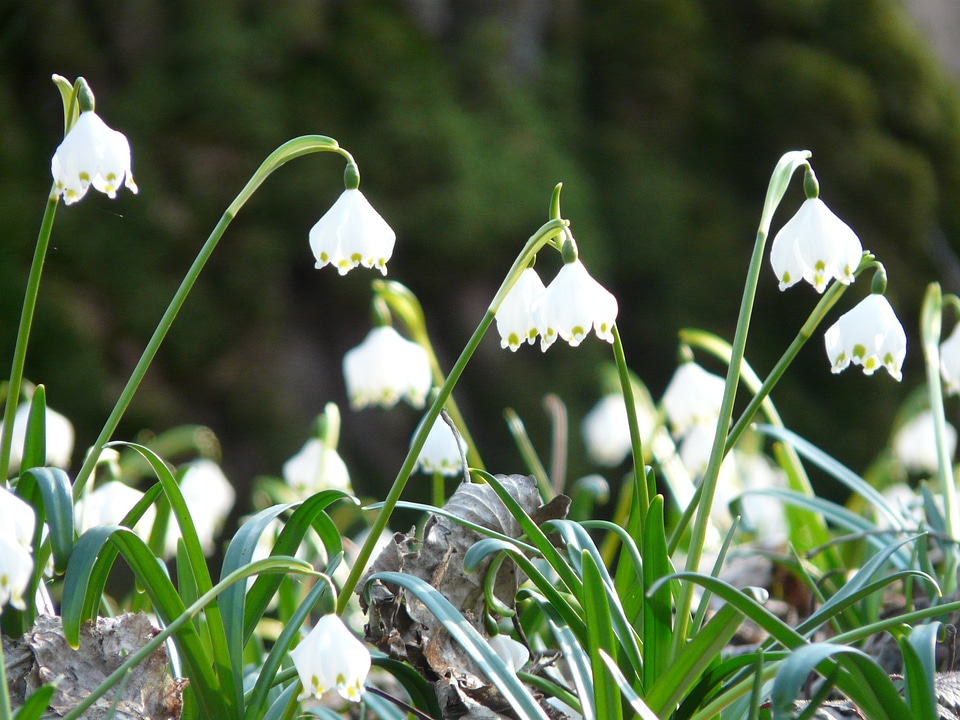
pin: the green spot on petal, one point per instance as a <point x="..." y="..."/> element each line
<point x="859" y="351"/>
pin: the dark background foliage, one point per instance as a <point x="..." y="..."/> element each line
<point x="663" y="119"/>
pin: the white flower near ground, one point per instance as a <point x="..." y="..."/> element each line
<point x="16" y="568"/>
<point x="314" y="468"/>
<point x="693" y="396"/>
<point x="869" y="335"/>
<point x="950" y="362"/>
<point x="514" y="654"/>
<point x="59" y="433"/>
<point x="17" y="518"/>
<point x="331" y="657"/>
<point x="352" y="233"/>
<point x="606" y="430"/>
<point x="573" y="304"/>
<point x="209" y="497"/>
<point x="817" y="246"/>
<point x="91" y="154"/>
<point x="915" y="443"/>
<point x="108" y="504"/>
<point x="386" y="367"/>
<point x="516" y="322"/>
<point x="441" y="451"/>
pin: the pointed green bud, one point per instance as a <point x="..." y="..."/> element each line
<point x="85" y="96"/>
<point x="811" y="186"/>
<point x="351" y="176"/>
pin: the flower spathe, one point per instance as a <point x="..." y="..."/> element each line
<point x="817" y="246"/>
<point x="352" y="233"/>
<point x="573" y="304"/>
<point x="441" y="451"/>
<point x="386" y="367"/>
<point x="869" y="335"/>
<point x="92" y="153"/>
<point x="950" y="362"/>
<point x="330" y="657"/>
<point x="516" y="322"/>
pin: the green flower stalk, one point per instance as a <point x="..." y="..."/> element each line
<point x="290" y="150"/>
<point x="547" y="233"/>
<point x="779" y="181"/>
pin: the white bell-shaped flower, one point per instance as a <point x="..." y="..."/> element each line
<point x="352" y="233"/>
<point x="16" y="568"/>
<point x="950" y="362"/>
<point x="514" y="654"/>
<point x="209" y="497"/>
<point x="316" y="467"/>
<point x="606" y="430"/>
<point x="17" y="518"/>
<point x="869" y="335"/>
<point x="915" y="443"/>
<point x="817" y="246"/>
<point x="441" y="451"/>
<point x="386" y="367"/>
<point x="573" y="304"/>
<point x="693" y="396"/>
<point x="108" y="504"/>
<point x="331" y="657"/>
<point x="516" y="322"/>
<point x="91" y="154"/>
<point x="59" y="436"/>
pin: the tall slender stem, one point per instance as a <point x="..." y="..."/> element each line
<point x="23" y="333"/>
<point x="626" y="387"/>
<point x="709" y="482"/>
<point x="288" y="151"/>
<point x="546" y="233"/>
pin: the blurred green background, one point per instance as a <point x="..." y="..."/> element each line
<point x="663" y="119"/>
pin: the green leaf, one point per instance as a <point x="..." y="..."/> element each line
<point x="513" y="691"/>
<point x="601" y="639"/>
<point x="578" y="662"/>
<point x="56" y="492"/>
<point x="419" y="691"/>
<point x="693" y="660"/>
<point x="35" y="439"/>
<point x="658" y="608"/>
<point x="919" y="650"/>
<point x="641" y="708"/>
<point x="866" y="684"/>
<point x="36" y="705"/>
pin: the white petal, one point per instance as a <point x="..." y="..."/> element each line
<point x="16" y="567"/>
<point x="915" y="444"/>
<point x="17" y="518"/>
<point x="869" y="335"/>
<point x="108" y="504"/>
<point x="316" y="467"/>
<point x="572" y="305"/>
<point x="384" y="368"/>
<point x="516" y="321"/>
<point x="331" y="657"/>
<point x="950" y="361"/>
<point x="441" y="452"/>
<point x="352" y="233"/>
<point x="115" y="165"/>
<point x="693" y="396"/>
<point x="514" y="654"/>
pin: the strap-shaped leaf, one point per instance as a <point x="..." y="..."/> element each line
<point x="866" y="684"/>
<point x="513" y="691"/>
<point x="578" y="662"/>
<point x="34" y="453"/>
<point x="658" y="608"/>
<point x="601" y="640"/>
<point x="419" y="691"/>
<point x="919" y="651"/>
<point x="36" y="705"/>
<point x="51" y="486"/>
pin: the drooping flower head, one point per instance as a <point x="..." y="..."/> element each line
<point x="693" y="397"/>
<point x="516" y="322"/>
<point x="817" y="246"/>
<point x="316" y="467"/>
<point x="915" y="443"/>
<point x="209" y="497"/>
<point x="352" y="233"/>
<point x="573" y="304"/>
<point x="91" y="154"/>
<point x="606" y="430"/>
<point x="330" y="657"/>
<point x="108" y="504"/>
<point x="16" y="567"/>
<point x="442" y="450"/>
<point x="384" y="368"/>
<point x="950" y="362"/>
<point x="59" y="437"/>
<point x="869" y="335"/>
